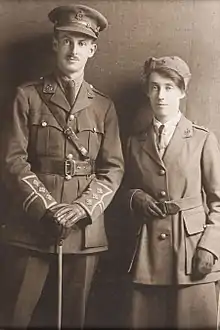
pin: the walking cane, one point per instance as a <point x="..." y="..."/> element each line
<point x="218" y="305"/>
<point x="60" y="283"/>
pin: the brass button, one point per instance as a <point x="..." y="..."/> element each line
<point x="68" y="177"/>
<point x="44" y="123"/>
<point x="69" y="156"/>
<point x="162" y="172"/>
<point x="163" y="236"/>
<point x="71" y="117"/>
<point x="163" y="193"/>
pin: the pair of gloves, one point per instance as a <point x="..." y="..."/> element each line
<point x="146" y="206"/>
<point x="60" y="219"/>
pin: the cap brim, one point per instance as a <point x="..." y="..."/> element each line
<point x="79" y="29"/>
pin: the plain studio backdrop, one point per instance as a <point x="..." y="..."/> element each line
<point x="137" y="29"/>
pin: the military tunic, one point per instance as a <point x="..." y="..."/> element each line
<point x="35" y="139"/>
<point x="41" y="167"/>
<point x="189" y="165"/>
<point x="162" y="256"/>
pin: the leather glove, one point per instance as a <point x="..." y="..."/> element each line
<point x="59" y="219"/>
<point x="51" y="231"/>
<point x="69" y="215"/>
<point x="146" y="205"/>
<point x="203" y="262"/>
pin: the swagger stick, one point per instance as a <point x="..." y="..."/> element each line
<point x="60" y="284"/>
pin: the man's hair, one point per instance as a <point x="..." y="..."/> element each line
<point x="166" y="73"/>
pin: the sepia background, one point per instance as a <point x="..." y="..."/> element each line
<point x="137" y="29"/>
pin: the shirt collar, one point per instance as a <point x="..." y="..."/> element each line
<point x="62" y="80"/>
<point x="169" y="124"/>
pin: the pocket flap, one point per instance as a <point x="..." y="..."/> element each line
<point x="45" y="120"/>
<point x="95" y="127"/>
<point x="194" y="220"/>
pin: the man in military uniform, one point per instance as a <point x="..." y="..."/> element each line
<point x="62" y="164"/>
<point x="171" y="164"/>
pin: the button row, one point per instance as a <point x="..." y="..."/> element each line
<point x="162" y="172"/>
<point x="69" y="156"/>
<point x="163" y="236"/>
<point x="162" y="193"/>
<point x="71" y="117"/>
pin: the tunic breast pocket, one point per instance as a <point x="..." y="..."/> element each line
<point x="91" y="136"/>
<point x="194" y="223"/>
<point x="46" y="137"/>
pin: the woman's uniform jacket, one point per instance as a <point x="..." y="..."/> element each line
<point x="41" y="165"/>
<point x="190" y="166"/>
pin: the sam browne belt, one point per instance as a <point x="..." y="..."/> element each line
<point x="68" y="167"/>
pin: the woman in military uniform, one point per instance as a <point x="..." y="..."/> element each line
<point x="171" y="165"/>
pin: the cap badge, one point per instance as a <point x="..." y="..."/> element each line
<point x="79" y="15"/>
<point x="49" y="88"/>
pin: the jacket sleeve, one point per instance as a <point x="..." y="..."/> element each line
<point x="129" y="187"/>
<point x="109" y="169"/>
<point x="28" y="191"/>
<point x="210" y="164"/>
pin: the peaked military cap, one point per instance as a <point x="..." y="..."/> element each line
<point x="174" y="63"/>
<point x="78" y="18"/>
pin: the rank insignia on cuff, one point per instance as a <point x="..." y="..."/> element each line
<point x="94" y="201"/>
<point x="37" y="190"/>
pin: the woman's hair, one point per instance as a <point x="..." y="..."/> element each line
<point x="166" y="73"/>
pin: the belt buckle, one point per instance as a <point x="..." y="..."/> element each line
<point x="69" y="132"/>
<point x="163" y="207"/>
<point x="69" y="167"/>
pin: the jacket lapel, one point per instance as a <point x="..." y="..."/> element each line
<point x="148" y="144"/>
<point x="183" y="131"/>
<point x="54" y="93"/>
<point x="84" y="97"/>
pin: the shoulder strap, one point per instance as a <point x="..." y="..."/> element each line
<point x="67" y="130"/>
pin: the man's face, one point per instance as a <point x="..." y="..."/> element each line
<point x="72" y="51"/>
<point x="164" y="96"/>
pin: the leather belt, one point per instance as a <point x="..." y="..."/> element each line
<point x="174" y="206"/>
<point x="68" y="167"/>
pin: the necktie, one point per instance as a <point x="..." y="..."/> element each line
<point x="70" y="91"/>
<point x="161" y="140"/>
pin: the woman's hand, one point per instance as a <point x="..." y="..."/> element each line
<point x="146" y="205"/>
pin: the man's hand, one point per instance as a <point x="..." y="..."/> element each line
<point x="146" y="205"/>
<point x="59" y="219"/>
<point x="68" y="215"/>
<point x="203" y="262"/>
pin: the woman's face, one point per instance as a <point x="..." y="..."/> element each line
<point x="164" y="96"/>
